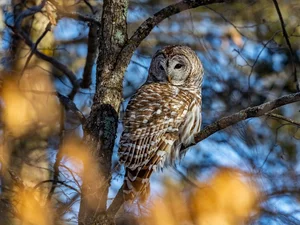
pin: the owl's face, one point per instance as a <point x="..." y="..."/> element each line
<point x="178" y="65"/>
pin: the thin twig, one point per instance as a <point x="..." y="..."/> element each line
<point x="277" y="116"/>
<point x="70" y="105"/>
<point x="90" y="6"/>
<point x="71" y="76"/>
<point x="79" y="16"/>
<point x="59" y="155"/>
<point x="256" y="60"/>
<point x="186" y="179"/>
<point x="72" y="174"/>
<point x="33" y="49"/>
<point x="63" y="208"/>
<point x="227" y="21"/>
<point x="139" y="64"/>
<point x="286" y="37"/>
<point x="64" y="100"/>
<point x="145" y="28"/>
<point x="17" y="29"/>
<point x="75" y="15"/>
<point x="274" y="144"/>
<point x="58" y="182"/>
<point x="28" y="12"/>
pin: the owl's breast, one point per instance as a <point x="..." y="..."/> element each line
<point x="192" y="122"/>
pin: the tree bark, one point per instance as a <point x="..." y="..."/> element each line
<point x="100" y="128"/>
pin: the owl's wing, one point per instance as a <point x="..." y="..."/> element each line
<point x="151" y="126"/>
<point x="155" y="110"/>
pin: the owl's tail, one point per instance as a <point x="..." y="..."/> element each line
<point x="137" y="181"/>
<point x="136" y="184"/>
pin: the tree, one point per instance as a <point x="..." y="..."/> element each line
<point x="264" y="60"/>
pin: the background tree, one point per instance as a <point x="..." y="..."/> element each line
<point x="99" y="55"/>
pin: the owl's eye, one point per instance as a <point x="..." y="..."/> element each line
<point x="161" y="67"/>
<point x="178" y="66"/>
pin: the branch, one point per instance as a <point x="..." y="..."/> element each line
<point x="287" y="40"/>
<point x="90" y="6"/>
<point x="250" y="112"/>
<point x="54" y="62"/>
<point x="33" y="50"/>
<point x="17" y="29"/>
<point x="30" y="11"/>
<point x="64" y="207"/>
<point x="65" y="101"/>
<point x="93" y="46"/>
<point x="58" y="182"/>
<point x="79" y="16"/>
<point x="59" y="155"/>
<point x="116" y="204"/>
<point x="70" y="105"/>
<point x="145" y="28"/>
<point x="276" y="116"/>
<point x="76" y="15"/>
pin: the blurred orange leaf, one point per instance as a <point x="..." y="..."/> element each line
<point x="29" y="101"/>
<point x="30" y="209"/>
<point x="227" y="199"/>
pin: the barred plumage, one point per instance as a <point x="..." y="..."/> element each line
<point x="163" y="115"/>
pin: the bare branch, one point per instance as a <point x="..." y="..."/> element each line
<point x="93" y="46"/>
<point x="90" y="6"/>
<point x="286" y="37"/>
<point x="79" y="16"/>
<point x="65" y="101"/>
<point x="17" y="29"/>
<point x="28" y="12"/>
<point x="47" y="29"/>
<point x="250" y="112"/>
<point x="146" y="27"/>
<point x="54" y="62"/>
<point x="117" y="203"/>
<point x="72" y="174"/>
<point x="63" y="208"/>
<point x="76" y="15"/>
<point x="70" y="105"/>
<point x="276" y="116"/>
<point x="59" y="155"/>
<point x="58" y="182"/>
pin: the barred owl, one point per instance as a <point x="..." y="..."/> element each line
<point x="163" y="115"/>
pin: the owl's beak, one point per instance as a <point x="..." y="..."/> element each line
<point x="169" y="78"/>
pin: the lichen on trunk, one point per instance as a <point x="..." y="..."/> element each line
<point x="101" y="126"/>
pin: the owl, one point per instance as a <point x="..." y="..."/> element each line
<point x="161" y="118"/>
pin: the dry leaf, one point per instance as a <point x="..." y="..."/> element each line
<point x="51" y="13"/>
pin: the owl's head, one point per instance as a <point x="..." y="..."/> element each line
<point x="178" y="65"/>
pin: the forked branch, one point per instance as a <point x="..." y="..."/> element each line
<point x="250" y="112"/>
<point x="287" y="40"/>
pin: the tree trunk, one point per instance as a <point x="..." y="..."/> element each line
<point x="101" y="126"/>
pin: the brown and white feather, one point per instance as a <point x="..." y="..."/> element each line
<point x="160" y="118"/>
